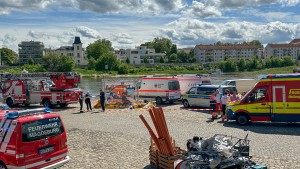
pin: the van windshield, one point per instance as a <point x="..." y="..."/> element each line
<point x="40" y="129"/>
<point x="174" y="85"/>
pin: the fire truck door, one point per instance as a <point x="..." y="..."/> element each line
<point x="54" y="97"/>
<point x="279" y="104"/>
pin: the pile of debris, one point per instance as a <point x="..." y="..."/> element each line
<point x="219" y="151"/>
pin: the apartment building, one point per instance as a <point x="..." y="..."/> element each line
<point x="216" y="53"/>
<point x="76" y="52"/>
<point x="30" y="50"/>
<point x="139" y="55"/>
<point x="291" y="49"/>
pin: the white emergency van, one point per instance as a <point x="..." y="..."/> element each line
<point x="159" y="89"/>
<point x="188" y="81"/>
<point x="242" y="85"/>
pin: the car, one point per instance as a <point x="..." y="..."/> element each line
<point x="199" y="95"/>
<point x="34" y="138"/>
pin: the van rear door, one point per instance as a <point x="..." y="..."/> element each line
<point x="43" y="142"/>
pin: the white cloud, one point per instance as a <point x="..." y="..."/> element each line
<point x="8" y="41"/>
<point x="180" y="32"/>
<point x="122" y="39"/>
<point x="88" y="32"/>
<point x="98" y="6"/>
<point x="200" y="10"/>
<point x="289" y="2"/>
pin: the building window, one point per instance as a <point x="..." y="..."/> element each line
<point x="77" y="47"/>
<point x="61" y="54"/>
<point x="78" y="55"/>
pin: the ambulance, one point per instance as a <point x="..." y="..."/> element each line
<point x="188" y="81"/>
<point x="275" y="98"/>
<point x="159" y="89"/>
<point x="34" y="139"/>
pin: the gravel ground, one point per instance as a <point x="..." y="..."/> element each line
<point x="117" y="139"/>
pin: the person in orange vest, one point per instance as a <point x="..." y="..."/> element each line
<point x="212" y="102"/>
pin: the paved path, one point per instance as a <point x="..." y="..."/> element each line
<point x="118" y="138"/>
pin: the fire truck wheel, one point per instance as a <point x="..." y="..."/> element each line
<point x="2" y="165"/>
<point x="9" y="102"/>
<point x="47" y="103"/>
<point x="158" y="100"/>
<point x="242" y="119"/>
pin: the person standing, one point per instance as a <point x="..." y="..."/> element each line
<point x="218" y="103"/>
<point x="224" y="100"/>
<point x="80" y="99"/>
<point x="88" y="101"/>
<point x="102" y="100"/>
<point x="212" y="102"/>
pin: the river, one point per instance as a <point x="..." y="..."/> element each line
<point x="93" y="85"/>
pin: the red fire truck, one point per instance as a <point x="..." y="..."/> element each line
<point x="34" y="138"/>
<point x="36" y="91"/>
<point x="61" y="80"/>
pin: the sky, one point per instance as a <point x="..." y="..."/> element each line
<point x="129" y="23"/>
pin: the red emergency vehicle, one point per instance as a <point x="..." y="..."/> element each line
<point x="28" y="91"/>
<point x="274" y="98"/>
<point x="61" y="80"/>
<point x="32" y="139"/>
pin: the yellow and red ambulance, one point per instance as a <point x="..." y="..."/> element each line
<point x="275" y="98"/>
<point x="32" y="139"/>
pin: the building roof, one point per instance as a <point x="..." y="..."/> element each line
<point x="297" y="41"/>
<point x="77" y="40"/>
<point x="66" y="48"/>
<point x="284" y="45"/>
<point x="228" y="47"/>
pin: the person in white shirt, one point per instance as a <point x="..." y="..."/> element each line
<point x="224" y="100"/>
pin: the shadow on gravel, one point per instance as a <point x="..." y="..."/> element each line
<point x="268" y="128"/>
<point x="149" y="167"/>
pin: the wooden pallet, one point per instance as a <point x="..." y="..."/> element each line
<point x="161" y="161"/>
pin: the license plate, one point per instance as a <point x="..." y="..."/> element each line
<point x="47" y="149"/>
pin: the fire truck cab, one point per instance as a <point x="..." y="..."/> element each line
<point x="274" y="98"/>
<point x="34" y="138"/>
<point x="36" y="91"/>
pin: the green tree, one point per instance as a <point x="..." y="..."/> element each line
<point x="256" y="43"/>
<point x="173" y="57"/>
<point x="242" y="64"/>
<point x="183" y="56"/>
<point x="8" y="56"/>
<point x="173" y="49"/>
<point x="127" y="60"/>
<point x="123" y="68"/>
<point x="287" y="61"/>
<point x="92" y="64"/>
<point x="30" y="61"/>
<point x="161" y="60"/>
<point x="56" y="63"/>
<point x="229" y="66"/>
<point x="146" y="60"/>
<point x="99" y="48"/>
<point x="253" y="63"/>
<point x="192" y="60"/>
<point x="108" y="59"/>
<point x="33" y="68"/>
